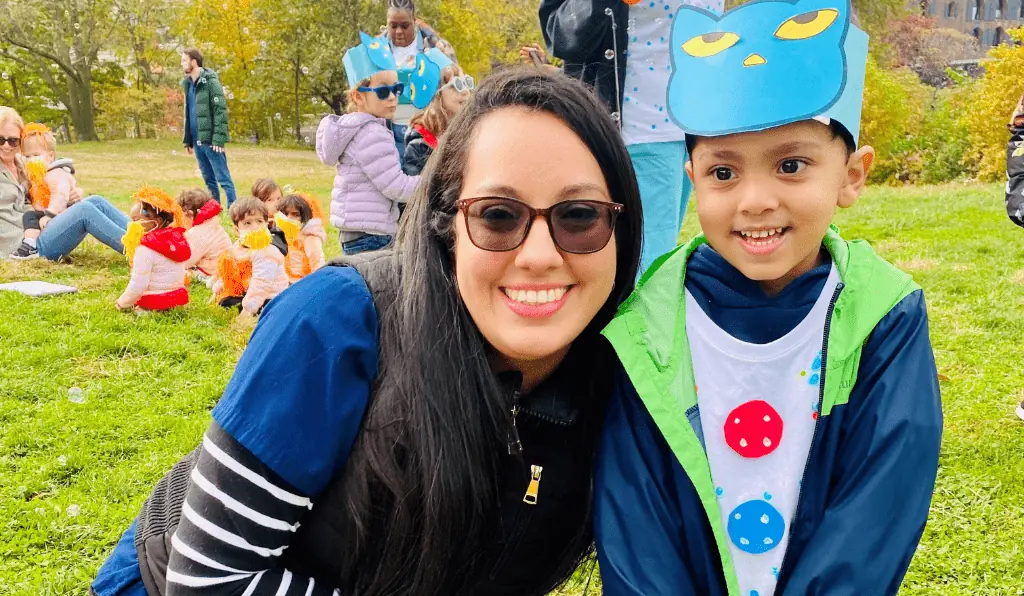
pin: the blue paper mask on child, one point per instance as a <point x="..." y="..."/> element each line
<point x="426" y="77"/>
<point x="367" y="59"/>
<point x="765" y="64"/>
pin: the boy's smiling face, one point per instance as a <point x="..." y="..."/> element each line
<point x="765" y="199"/>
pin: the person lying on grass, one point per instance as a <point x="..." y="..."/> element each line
<point x="157" y="251"/>
<point x="780" y="428"/>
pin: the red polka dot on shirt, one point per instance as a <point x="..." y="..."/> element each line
<point x="753" y="429"/>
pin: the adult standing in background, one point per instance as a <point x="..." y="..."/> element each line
<point x="629" y="66"/>
<point x="408" y="37"/>
<point x="206" y="123"/>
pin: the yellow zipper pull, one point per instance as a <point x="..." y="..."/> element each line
<point x="531" y="491"/>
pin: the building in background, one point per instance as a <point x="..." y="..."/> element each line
<point x="986" y="20"/>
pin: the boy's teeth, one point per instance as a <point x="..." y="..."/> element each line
<point x="536" y="296"/>
<point x="761" y="233"/>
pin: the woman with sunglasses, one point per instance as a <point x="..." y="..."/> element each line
<point x="432" y="429"/>
<point x="427" y="127"/>
<point x="13" y="181"/>
<point x="370" y="184"/>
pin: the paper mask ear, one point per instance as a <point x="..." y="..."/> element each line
<point x="766" y="64"/>
<point x="371" y="56"/>
<point x="423" y="81"/>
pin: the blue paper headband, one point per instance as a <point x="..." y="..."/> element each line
<point x="426" y="77"/>
<point x="765" y="64"/>
<point x="367" y="59"/>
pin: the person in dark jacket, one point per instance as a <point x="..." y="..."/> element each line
<point x="778" y="426"/>
<point x="1015" y="179"/>
<point x="206" y="123"/>
<point x="621" y="49"/>
<point x="469" y="473"/>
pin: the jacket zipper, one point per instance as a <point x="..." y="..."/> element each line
<point x="530" y="498"/>
<point x="515" y="446"/>
<point x="545" y="417"/>
<point x="817" y="423"/>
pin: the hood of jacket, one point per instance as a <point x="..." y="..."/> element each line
<point x="170" y="242"/>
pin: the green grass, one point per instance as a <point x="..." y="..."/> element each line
<point x="150" y="380"/>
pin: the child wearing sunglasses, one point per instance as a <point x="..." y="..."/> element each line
<point x="369" y="185"/>
<point x="428" y="126"/>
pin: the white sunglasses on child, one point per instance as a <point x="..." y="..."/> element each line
<point x="461" y="84"/>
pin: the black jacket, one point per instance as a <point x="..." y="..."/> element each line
<point x="580" y="33"/>
<point x="417" y="152"/>
<point x="536" y="547"/>
<point x="1015" y="176"/>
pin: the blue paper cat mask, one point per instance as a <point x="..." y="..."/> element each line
<point x="426" y="77"/>
<point x="765" y="64"/>
<point x="368" y="58"/>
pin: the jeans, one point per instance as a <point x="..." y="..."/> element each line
<point x="664" y="193"/>
<point x="93" y="216"/>
<point x="120" y="574"/>
<point x="399" y="131"/>
<point x="214" y="167"/>
<point x="365" y="244"/>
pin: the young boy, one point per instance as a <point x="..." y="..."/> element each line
<point x="205" y="235"/>
<point x="252" y="272"/>
<point x="52" y="186"/>
<point x="778" y="424"/>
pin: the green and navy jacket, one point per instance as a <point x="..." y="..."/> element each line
<point x="871" y="469"/>
<point x="211" y="110"/>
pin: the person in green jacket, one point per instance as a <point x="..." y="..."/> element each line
<point x="206" y="123"/>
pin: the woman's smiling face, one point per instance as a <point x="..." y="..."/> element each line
<point x="9" y="130"/>
<point x="532" y="302"/>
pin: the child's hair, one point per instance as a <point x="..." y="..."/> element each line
<point x="164" y="218"/>
<point x="434" y="117"/>
<point x="194" y="199"/>
<point x="299" y="204"/>
<point x="838" y="132"/>
<point x="247" y="206"/>
<point x="263" y="188"/>
<point x="351" y="94"/>
<point x="38" y="132"/>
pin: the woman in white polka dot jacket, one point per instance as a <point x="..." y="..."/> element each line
<point x="620" y="47"/>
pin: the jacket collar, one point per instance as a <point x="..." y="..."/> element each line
<point x="550" y="401"/>
<point x="208" y="211"/>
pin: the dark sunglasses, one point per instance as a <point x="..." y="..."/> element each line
<point x="385" y="91"/>
<point x="12" y="141"/>
<point x="500" y="224"/>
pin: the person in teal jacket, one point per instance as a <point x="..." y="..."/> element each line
<point x="777" y="421"/>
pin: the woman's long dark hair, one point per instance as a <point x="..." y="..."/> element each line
<point x="422" y="483"/>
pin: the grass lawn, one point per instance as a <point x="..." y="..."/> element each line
<point x="72" y="476"/>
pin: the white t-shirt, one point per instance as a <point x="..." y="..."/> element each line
<point x="758" y="409"/>
<point x="645" y="117"/>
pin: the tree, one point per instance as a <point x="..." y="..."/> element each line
<point x="915" y="42"/>
<point x="26" y="92"/>
<point x="60" y="42"/>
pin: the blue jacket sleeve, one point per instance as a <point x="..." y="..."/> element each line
<point x="884" y="475"/>
<point x="649" y="522"/>
<point x="299" y="392"/>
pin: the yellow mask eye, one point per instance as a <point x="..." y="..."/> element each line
<point x="709" y="44"/>
<point x="807" y="25"/>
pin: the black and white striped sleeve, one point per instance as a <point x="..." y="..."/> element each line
<point x="236" y="523"/>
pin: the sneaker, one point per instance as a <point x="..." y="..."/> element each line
<point x="25" y="252"/>
<point x="1020" y="410"/>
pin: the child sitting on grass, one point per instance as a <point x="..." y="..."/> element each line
<point x="778" y="424"/>
<point x="206" y="237"/>
<point x="370" y="184"/>
<point x="52" y="182"/>
<point x="299" y="218"/>
<point x="157" y="251"/>
<point x="252" y="272"/>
